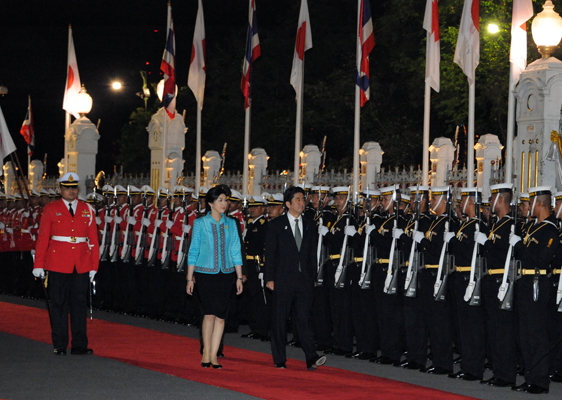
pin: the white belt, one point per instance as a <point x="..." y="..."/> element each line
<point x="70" y="239"/>
<point x="25" y="231"/>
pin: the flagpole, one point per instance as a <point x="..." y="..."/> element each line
<point x="198" y="152"/>
<point x="426" y="116"/>
<point x="248" y="113"/>
<point x="470" y="139"/>
<point x="298" y="129"/>
<point x="66" y="128"/>
<point x="511" y="103"/>
<point x="357" y="121"/>
<point x="164" y="140"/>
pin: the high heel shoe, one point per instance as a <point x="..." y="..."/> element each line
<point x="216" y="366"/>
<point x="206" y="365"/>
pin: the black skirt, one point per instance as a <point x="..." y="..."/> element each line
<point x="214" y="292"/>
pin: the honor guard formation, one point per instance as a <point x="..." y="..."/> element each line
<point x="410" y="277"/>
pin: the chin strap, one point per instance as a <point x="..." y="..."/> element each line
<point x="438" y="203"/>
<point x="533" y="208"/>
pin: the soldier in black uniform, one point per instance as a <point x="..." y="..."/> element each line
<point x="555" y="318"/>
<point x="438" y="314"/>
<point x="535" y="251"/>
<point x="389" y="306"/>
<point x="470" y="318"/>
<point x="416" y="331"/>
<point x="254" y="241"/>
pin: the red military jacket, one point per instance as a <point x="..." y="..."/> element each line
<point x="62" y="257"/>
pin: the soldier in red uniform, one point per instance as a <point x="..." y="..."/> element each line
<point x="67" y="247"/>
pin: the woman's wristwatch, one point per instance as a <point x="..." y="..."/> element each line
<point x="241" y="279"/>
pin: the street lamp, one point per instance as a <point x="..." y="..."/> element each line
<point x="83" y="102"/>
<point x="493" y="28"/>
<point x="116" y="85"/>
<point x="547" y="29"/>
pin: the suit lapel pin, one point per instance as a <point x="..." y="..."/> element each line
<point x="285" y="227"/>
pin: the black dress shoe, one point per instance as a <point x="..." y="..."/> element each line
<point x="403" y="364"/>
<point x="220" y="355"/>
<point x="384" y="360"/>
<point x="60" y="352"/>
<point x="316" y="362"/>
<point x="521" y="388"/>
<point x="497" y="382"/>
<point x="216" y="366"/>
<point x="322" y="347"/>
<point x="464" y="376"/>
<point x="330" y="350"/>
<point x="366" y="356"/>
<point x="534" y="389"/>
<point x="412" y="365"/>
<point x="556" y="377"/>
<point x="265" y="339"/>
<point x="397" y="363"/>
<point x="248" y="335"/>
<point x="206" y="365"/>
<point x="457" y="360"/>
<point x="339" y="352"/>
<point x="437" y="371"/>
<point x="353" y="355"/>
<point x="281" y="366"/>
<point x="81" y="351"/>
<point x="487" y="381"/>
<point x="293" y="343"/>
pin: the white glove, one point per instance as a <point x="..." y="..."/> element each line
<point x="514" y="239"/>
<point x="447" y="236"/>
<point x="25" y="214"/>
<point x="157" y="223"/>
<point x="38" y="272"/>
<point x="370" y="229"/>
<point x="118" y="220"/>
<point x="350" y="230"/>
<point x="2" y="226"/>
<point x="323" y="230"/>
<point x="9" y="230"/>
<point x="131" y="220"/>
<point x="169" y="224"/>
<point x="397" y="232"/>
<point x="145" y="222"/>
<point x="98" y="220"/>
<point x="418" y="236"/>
<point x="92" y="274"/>
<point x="108" y="219"/>
<point x="480" y="238"/>
<point x="186" y="228"/>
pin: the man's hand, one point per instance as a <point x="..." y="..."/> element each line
<point x="350" y="230"/>
<point x="397" y="232"/>
<point x="38" y="273"/>
<point x="108" y="219"/>
<point x="131" y="220"/>
<point x="169" y="224"/>
<point x="145" y="222"/>
<point x="447" y="236"/>
<point x="186" y="228"/>
<point x="270" y="285"/>
<point x="418" y="236"/>
<point x="514" y="239"/>
<point x="92" y="274"/>
<point x="322" y="230"/>
<point x="480" y="237"/>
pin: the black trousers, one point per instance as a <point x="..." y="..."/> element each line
<point x="299" y="298"/>
<point x="69" y="293"/>
<point x="364" y="313"/>
<point x="500" y="327"/>
<point x="259" y="297"/>
<point x="533" y="317"/>
<point x="471" y="328"/>
<point x="555" y="329"/>
<point x="321" y="312"/>
<point x="417" y="335"/>
<point x="340" y="307"/>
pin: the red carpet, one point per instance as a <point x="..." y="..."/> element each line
<point x="244" y="371"/>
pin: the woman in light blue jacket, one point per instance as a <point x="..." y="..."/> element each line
<point x="214" y="256"/>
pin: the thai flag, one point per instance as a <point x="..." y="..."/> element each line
<point x="168" y="68"/>
<point x="366" y="43"/>
<point x="252" y="53"/>
<point x="27" y="129"/>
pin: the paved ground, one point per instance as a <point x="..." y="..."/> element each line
<point x="28" y="370"/>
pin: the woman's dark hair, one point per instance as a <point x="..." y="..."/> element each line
<point x="213" y="194"/>
<point x="291" y="192"/>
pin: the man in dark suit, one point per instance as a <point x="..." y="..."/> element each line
<point x="290" y="272"/>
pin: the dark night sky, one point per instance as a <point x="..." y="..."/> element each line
<point x="113" y="40"/>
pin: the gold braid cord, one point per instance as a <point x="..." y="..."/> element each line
<point x="555" y="138"/>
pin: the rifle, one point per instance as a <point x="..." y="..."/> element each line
<point x="446" y="261"/>
<point x="368" y="259"/>
<point x="391" y="281"/>
<point x="222" y="160"/>
<point x="341" y="270"/>
<point x="104" y="246"/>
<point x="184" y="241"/>
<point x="323" y="156"/>
<point x="411" y="283"/>
<point x="321" y="250"/>
<point x="155" y="244"/>
<point x="511" y="270"/>
<point x="115" y="234"/>
<point x="474" y="288"/>
<point x="168" y="246"/>
<point x="128" y="246"/>
<point x="141" y="242"/>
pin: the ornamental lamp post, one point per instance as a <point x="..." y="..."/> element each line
<point x="547" y="29"/>
<point x="83" y="102"/>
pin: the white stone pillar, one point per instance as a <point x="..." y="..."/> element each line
<point x="9" y="176"/>
<point x="370" y="157"/>
<point x="488" y="153"/>
<point x="257" y="162"/>
<point x="35" y="174"/>
<point x="441" y="154"/>
<point x="310" y="162"/>
<point x="82" y="144"/>
<point x="539" y="97"/>
<point x="175" y="144"/>
<point x="211" y="167"/>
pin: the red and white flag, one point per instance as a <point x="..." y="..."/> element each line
<point x="197" y="67"/>
<point x="72" y="79"/>
<point x="522" y="11"/>
<point x="303" y="43"/>
<point x="27" y="130"/>
<point x="467" y="53"/>
<point x="433" y="50"/>
<point x="365" y="44"/>
<point x="253" y="51"/>
<point x="7" y="145"/>
<point x="168" y="67"/>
